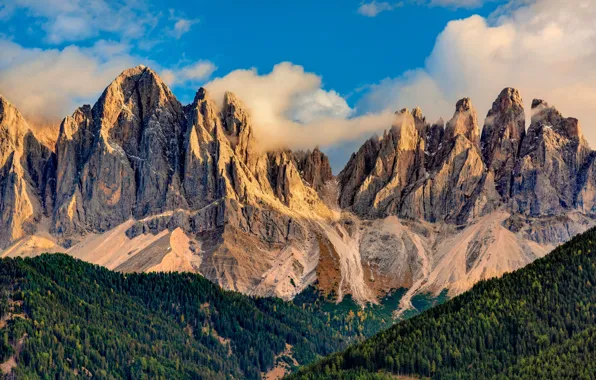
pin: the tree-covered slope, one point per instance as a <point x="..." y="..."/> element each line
<point x="538" y="322"/>
<point x="68" y="318"/>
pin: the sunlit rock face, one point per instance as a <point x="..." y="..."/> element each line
<point x="140" y="182"/>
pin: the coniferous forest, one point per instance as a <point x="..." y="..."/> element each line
<point x="536" y="323"/>
<point x="68" y="319"/>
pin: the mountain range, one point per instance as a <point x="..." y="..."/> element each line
<point x="139" y="182"/>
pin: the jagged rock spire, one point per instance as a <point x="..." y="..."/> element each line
<point x="464" y="122"/>
<point x="502" y="135"/>
<point x="25" y="169"/>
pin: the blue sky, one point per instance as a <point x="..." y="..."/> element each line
<point x="331" y="38"/>
<point x="326" y="73"/>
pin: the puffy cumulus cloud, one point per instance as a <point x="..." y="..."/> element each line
<point x="188" y="74"/>
<point x="76" y="20"/>
<point x="545" y="48"/>
<point x="48" y="84"/>
<point x="373" y="8"/>
<point x="290" y="109"/>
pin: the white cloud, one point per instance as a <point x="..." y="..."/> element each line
<point x="48" y="84"/>
<point x="546" y="49"/>
<point x="290" y="108"/>
<point x="77" y="20"/>
<point x="373" y="8"/>
<point x="188" y="74"/>
<point x="181" y="25"/>
<point x="458" y="3"/>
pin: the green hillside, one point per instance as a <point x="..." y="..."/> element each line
<point x="68" y="318"/>
<point x="536" y="323"/>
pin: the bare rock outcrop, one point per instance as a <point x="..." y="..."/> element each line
<point x="504" y="130"/>
<point x="383" y="169"/>
<point x="464" y="122"/>
<point x="552" y="156"/>
<point x="421" y="171"/>
<point x="314" y="167"/>
<point x="25" y="176"/>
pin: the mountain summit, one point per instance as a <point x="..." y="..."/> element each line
<point x="140" y="182"/>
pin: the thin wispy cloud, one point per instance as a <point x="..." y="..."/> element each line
<point x="181" y="25"/>
<point x="458" y="3"/>
<point x="77" y="20"/>
<point x="373" y="8"/>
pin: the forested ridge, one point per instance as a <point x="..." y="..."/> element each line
<point x="69" y="318"/>
<point x="535" y="323"/>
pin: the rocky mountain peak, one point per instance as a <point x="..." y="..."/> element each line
<point x="536" y="103"/>
<point x="82" y="116"/>
<point x="419" y="119"/>
<point x="201" y="94"/>
<point x="11" y="118"/>
<point x="203" y="112"/>
<point x="502" y="135"/>
<point x="509" y="97"/>
<point x="24" y="175"/>
<point x="236" y="116"/>
<point x="546" y="116"/>
<point x="554" y="157"/>
<point x="417" y="113"/>
<point x="464" y="122"/>
<point x="238" y="126"/>
<point x="464" y="105"/>
<point x="13" y="128"/>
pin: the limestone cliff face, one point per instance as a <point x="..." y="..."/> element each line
<point x="464" y="122"/>
<point x="26" y="168"/>
<point x="139" y="182"/>
<point x="421" y="171"/>
<point x="504" y="130"/>
<point x="375" y="178"/>
<point x="553" y="157"/>
<point x="315" y="168"/>
<point x="122" y="158"/>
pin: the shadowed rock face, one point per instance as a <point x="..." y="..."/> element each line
<point x="314" y="167"/>
<point x="554" y="162"/>
<point x="504" y="130"/>
<point x="424" y="206"/>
